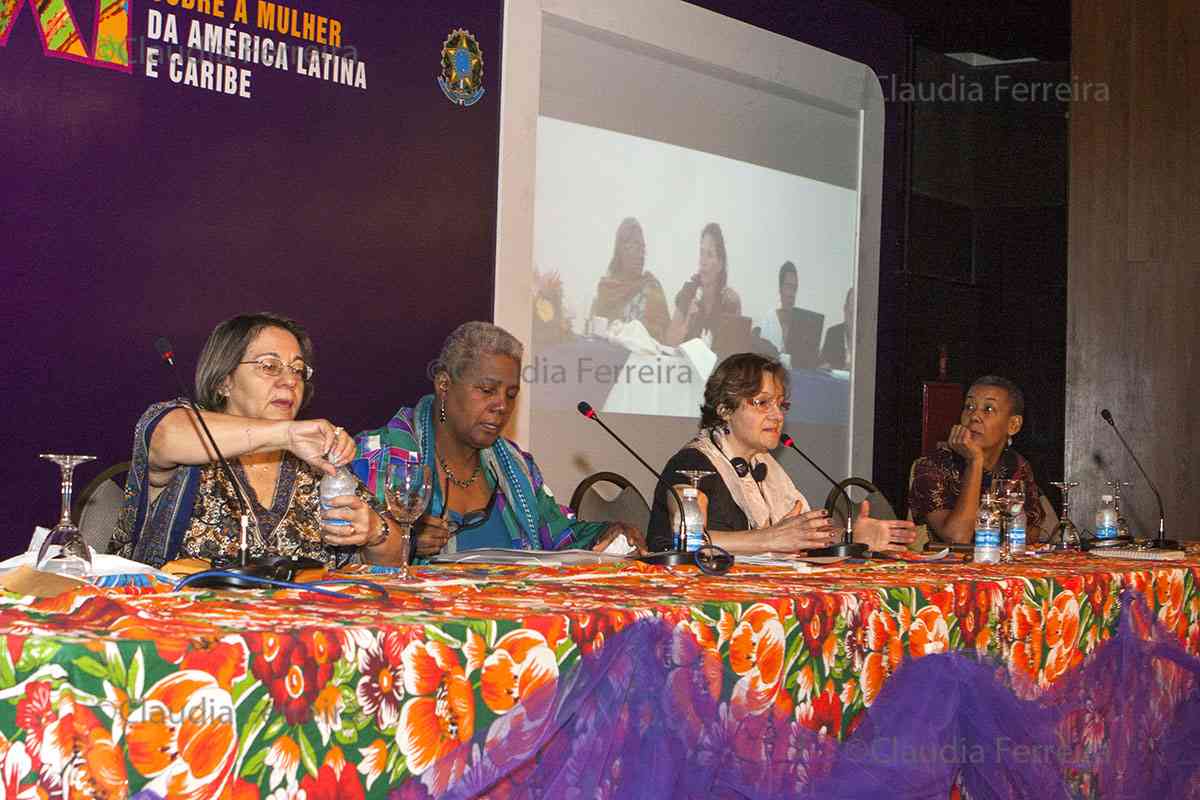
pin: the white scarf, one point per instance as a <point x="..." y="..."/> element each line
<point x="764" y="504"/>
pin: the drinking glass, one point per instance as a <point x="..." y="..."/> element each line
<point x="73" y="557"/>
<point x="1066" y="535"/>
<point x="406" y="488"/>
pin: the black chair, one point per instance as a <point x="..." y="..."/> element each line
<point x="835" y="503"/>
<point x="626" y="506"/>
<point x="98" y="506"/>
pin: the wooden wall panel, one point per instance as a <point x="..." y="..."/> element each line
<point x="1134" y="257"/>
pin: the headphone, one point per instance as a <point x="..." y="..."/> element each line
<point x="740" y="465"/>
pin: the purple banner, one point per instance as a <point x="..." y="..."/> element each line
<point x="166" y="164"/>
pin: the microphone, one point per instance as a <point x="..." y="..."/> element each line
<point x="848" y="546"/>
<point x="667" y="557"/>
<point x="163" y="345"/>
<point x="1162" y="542"/>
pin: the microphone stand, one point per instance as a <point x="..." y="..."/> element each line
<point x="666" y="558"/>
<point x="847" y="548"/>
<point x="1161" y="542"/>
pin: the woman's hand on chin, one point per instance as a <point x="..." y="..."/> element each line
<point x="320" y="443"/>
<point x="882" y="535"/>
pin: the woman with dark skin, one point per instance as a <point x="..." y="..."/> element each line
<point x="948" y="484"/>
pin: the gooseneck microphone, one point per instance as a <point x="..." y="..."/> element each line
<point x="848" y="546"/>
<point x="1162" y="542"/>
<point x="668" y="557"/>
<point x="163" y="345"/>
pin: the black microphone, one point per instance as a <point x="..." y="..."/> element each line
<point x="163" y="345"/>
<point x="667" y="557"/>
<point x="1162" y="542"/>
<point x="848" y="546"/>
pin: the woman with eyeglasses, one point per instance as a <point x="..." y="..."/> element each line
<point x="753" y="506"/>
<point x="487" y="492"/>
<point x="253" y="377"/>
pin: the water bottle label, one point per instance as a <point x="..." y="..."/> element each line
<point x="1016" y="536"/>
<point x="1106" y="532"/>
<point x="327" y="507"/>
<point x="695" y="539"/>
<point x="987" y="537"/>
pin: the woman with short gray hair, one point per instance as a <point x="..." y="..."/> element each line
<point x="487" y="492"/>
<point x="253" y="377"/>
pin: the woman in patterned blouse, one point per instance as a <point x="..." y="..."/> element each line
<point x="252" y="379"/>
<point x="948" y="484"/>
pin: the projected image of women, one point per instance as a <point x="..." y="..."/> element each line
<point x="706" y="296"/>
<point x="628" y="291"/>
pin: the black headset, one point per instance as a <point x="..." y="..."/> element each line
<point x="740" y="465"/>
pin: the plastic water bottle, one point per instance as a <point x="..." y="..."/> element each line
<point x="1016" y="535"/>
<point x="987" y="537"/>
<point x="338" y="484"/>
<point x="693" y="518"/>
<point x="1106" y="518"/>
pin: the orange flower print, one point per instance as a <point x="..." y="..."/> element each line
<point x="373" y="761"/>
<point x="756" y="651"/>
<point x="1062" y="636"/>
<point x="440" y="715"/>
<point x="225" y="661"/>
<point x="78" y="747"/>
<point x="336" y="780"/>
<point x="519" y="665"/>
<point x="327" y="711"/>
<point x="696" y="673"/>
<point x="1168" y="591"/>
<point x="283" y="759"/>
<point x="1026" y="654"/>
<point x="884" y="649"/>
<point x="183" y="736"/>
<point x="816" y="614"/>
<point x="928" y="633"/>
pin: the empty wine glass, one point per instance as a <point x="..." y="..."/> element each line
<point x="1066" y="535"/>
<point x="406" y="488"/>
<point x="73" y="557"/>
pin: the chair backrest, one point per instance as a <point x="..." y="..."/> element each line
<point x="99" y="506"/>
<point x="627" y="505"/>
<point x="835" y="503"/>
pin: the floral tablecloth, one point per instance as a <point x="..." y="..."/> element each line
<point x="609" y="681"/>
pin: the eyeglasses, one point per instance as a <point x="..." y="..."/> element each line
<point x="763" y="406"/>
<point x="273" y="367"/>
<point x="471" y="519"/>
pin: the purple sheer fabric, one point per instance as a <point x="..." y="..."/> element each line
<point x="638" y="719"/>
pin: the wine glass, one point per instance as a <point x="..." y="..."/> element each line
<point x="1066" y="535"/>
<point x="406" y="488"/>
<point x="73" y="557"/>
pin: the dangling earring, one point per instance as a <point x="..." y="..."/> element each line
<point x="1010" y="441"/>
<point x="442" y="413"/>
<point x="726" y="429"/>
